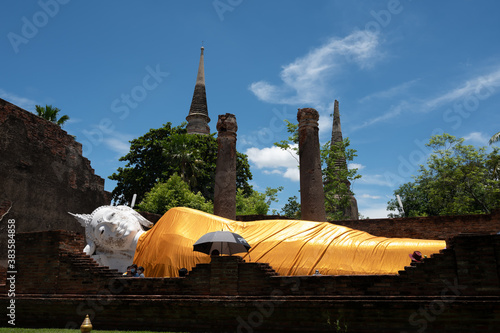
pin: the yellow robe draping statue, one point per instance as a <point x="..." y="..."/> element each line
<point x="291" y="247"/>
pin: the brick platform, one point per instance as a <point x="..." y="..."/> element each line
<point x="456" y="290"/>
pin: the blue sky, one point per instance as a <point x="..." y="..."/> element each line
<point x="401" y="70"/>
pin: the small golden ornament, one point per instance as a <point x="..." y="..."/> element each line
<point x="86" y="325"/>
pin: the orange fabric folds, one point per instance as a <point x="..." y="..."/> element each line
<point x="290" y="247"/>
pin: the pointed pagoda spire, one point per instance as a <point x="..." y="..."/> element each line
<point x="351" y="210"/>
<point x="336" y="130"/>
<point x="337" y="135"/>
<point x="198" y="113"/>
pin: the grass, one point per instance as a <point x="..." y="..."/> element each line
<point x="55" y="330"/>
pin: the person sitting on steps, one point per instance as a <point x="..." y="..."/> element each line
<point x="140" y="272"/>
<point x="416" y="256"/>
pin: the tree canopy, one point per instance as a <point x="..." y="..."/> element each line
<point x="256" y="203"/>
<point x="495" y="138"/>
<point x="175" y="192"/>
<point x="292" y="208"/>
<point x="457" y="179"/>
<point x="51" y="113"/>
<point x="159" y="154"/>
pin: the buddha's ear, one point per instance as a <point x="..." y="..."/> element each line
<point x="84" y="219"/>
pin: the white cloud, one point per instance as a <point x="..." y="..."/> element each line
<point x="293" y="174"/>
<point x="480" y="86"/>
<point x="74" y="120"/>
<point x="22" y="102"/>
<point x="392" y="113"/>
<point x="117" y="144"/>
<point x="272" y="172"/>
<point x="304" y="80"/>
<point x="477" y="138"/>
<point x="272" y="157"/>
<point x="275" y="160"/>
<point x="391" y="92"/>
<point x="368" y="196"/>
<point x="375" y="180"/>
<point x="115" y="141"/>
<point x="356" y="166"/>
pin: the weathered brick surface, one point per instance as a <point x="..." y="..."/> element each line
<point x="433" y="227"/>
<point x="246" y="314"/>
<point x="43" y="174"/>
<point x="456" y="290"/>
<point x="225" y="170"/>
<point x="53" y="262"/>
<point x="312" y="197"/>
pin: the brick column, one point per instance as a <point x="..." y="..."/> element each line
<point x="224" y="275"/>
<point x="312" y="197"/>
<point x="225" y="170"/>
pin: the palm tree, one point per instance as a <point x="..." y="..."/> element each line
<point x="185" y="155"/>
<point x="495" y="138"/>
<point x="50" y="113"/>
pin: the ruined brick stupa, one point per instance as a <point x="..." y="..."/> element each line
<point x="351" y="211"/>
<point x="198" y="113"/>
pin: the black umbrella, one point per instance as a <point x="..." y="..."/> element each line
<point x="225" y="242"/>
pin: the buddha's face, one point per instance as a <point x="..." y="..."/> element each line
<point x="114" y="229"/>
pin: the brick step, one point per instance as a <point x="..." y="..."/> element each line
<point x="410" y="269"/>
<point x="446" y="251"/>
<point x="84" y="264"/>
<point x="79" y="256"/>
<point x="88" y="261"/>
<point x="83" y="261"/>
<point x="98" y="268"/>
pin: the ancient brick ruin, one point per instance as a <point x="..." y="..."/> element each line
<point x="456" y="290"/>
<point x="312" y="197"/>
<point x="43" y="175"/>
<point x="225" y="171"/>
<point x="198" y="118"/>
<point x="340" y="164"/>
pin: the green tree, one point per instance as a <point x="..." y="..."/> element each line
<point x="146" y="164"/>
<point x="495" y="138"/>
<point x="414" y="201"/>
<point x="457" y="179"/>
<point x="291" y="144"/>
<point x="256" y="203"/>
<point x="51" y="113"/>
<point x="158" y="154"/>
<point x="292" y="208"/>
<point x="194" y="158"/>
<point x="336" y="178"/>
<point x="175" y="192"/>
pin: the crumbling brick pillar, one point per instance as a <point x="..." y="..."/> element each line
<point x="225" y="169"/>
<point x="312" y="197"/>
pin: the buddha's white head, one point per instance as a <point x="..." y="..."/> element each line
<point x="112" y="228"/>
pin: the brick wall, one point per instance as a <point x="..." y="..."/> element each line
<point x="432" y="227"/>
<point x="43" y="174"/>
<point x="53" y="262"/>
<point x="457" y="290"/>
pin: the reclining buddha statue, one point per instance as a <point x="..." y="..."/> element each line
<point x="116" y="238"/>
